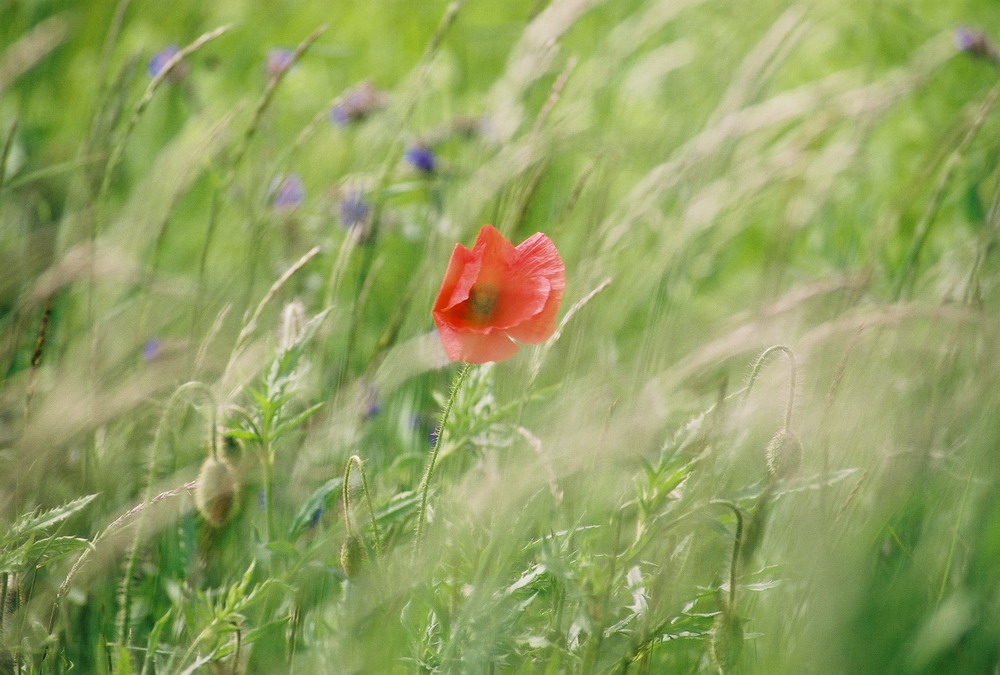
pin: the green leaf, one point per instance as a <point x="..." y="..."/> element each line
<point x="284" y="548"/>
<point x="46" y="551"/>
<point x="153" y="642"/>
<point x="297" y="420"/>
<point x="975" y="212"/>
<point x="267" y="629"/>
<point x="37" y="522"/>
<point x="242" y="435"/>
<point x="123" y="661"/>
<point x="317" y="500"/>
<point x="400" y="505"/>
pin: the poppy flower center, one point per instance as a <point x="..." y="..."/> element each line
<point x="482" y="300"/>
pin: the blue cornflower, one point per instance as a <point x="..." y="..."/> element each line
<point x="278" y="60"/>
<point x="354" y="210"/>
<point x="340" y="115"/>
<point x="357" y="104"/>
<point x="372" y="404"/>
<point x="421" y="158"/>
<point x="150" y="349"/>
<point x="289" y="192"/>
<point x="975" y="43"/>
<point x="159" y="61"/>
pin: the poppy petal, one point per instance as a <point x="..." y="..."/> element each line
<point x="458" y="279"/>
<point x="473" y="347"/>
<point x="541" y="326"/>
<point x="537" y="256"/>
<point x="496" y="293"/>
<point x="520" y="298"/>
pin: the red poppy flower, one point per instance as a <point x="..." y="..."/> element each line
<point x="497" y="293"/>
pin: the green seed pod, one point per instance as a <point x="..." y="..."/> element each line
<point x="784" y="454"/>
<point x="726" y="641"/>
<point x="352" y="554"/>
<point x="217" y="491"/>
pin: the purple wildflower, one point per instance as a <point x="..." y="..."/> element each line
<point x="289" y="192"/>
<point x="160" y="59"/>
<point x="278" y="61"/>
<point x="371" y="404"/>
<point x="975" y="43"/>
<point x="339" y="115"/>
<point x="357" y="104"/>
<point x="354" y="210"/>
<point x="150" y="349"/>
<point x="421" y="158"/>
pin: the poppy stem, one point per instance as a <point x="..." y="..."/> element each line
<point x="755" y="371"/>
<point x="429" y="473"/>
<point x="352" y="461"/>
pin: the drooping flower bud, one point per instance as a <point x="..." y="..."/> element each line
<point x="217" y="491"/>
<point x="784" y="454"/>
<point x="352" y="555"/>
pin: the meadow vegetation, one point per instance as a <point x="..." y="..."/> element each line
<point x="763" y="438"/>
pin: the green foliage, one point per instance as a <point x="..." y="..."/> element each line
<point x="28" y="544"/>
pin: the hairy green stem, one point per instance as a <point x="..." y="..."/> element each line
<point x="737" y="543"/>
<point x="429" y="472"/>
<point x="755" y="371"/>
<point x="355" y="460"/>
<point x="125" y="592"/>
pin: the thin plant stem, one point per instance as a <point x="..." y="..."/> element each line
<point x="118" y="150"/>
<point x="125" y="591"/>
<point x="429" y="472"/>
<point x="267" y="468"/>
<point x="737" y="543"/>
<point x="922" y="229"/>
<point x="755" y="371"/>
<point x="355" y="460"/>
<point x="4" y="580"/>
<point x="5" y="153"/>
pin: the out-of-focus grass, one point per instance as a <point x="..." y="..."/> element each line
<point x="718" y="179"/>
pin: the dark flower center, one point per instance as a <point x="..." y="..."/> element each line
<point x="482" y="300"/>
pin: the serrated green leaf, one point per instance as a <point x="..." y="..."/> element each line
<point x="46" y="551"/>
<point x="37" y="522"/>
